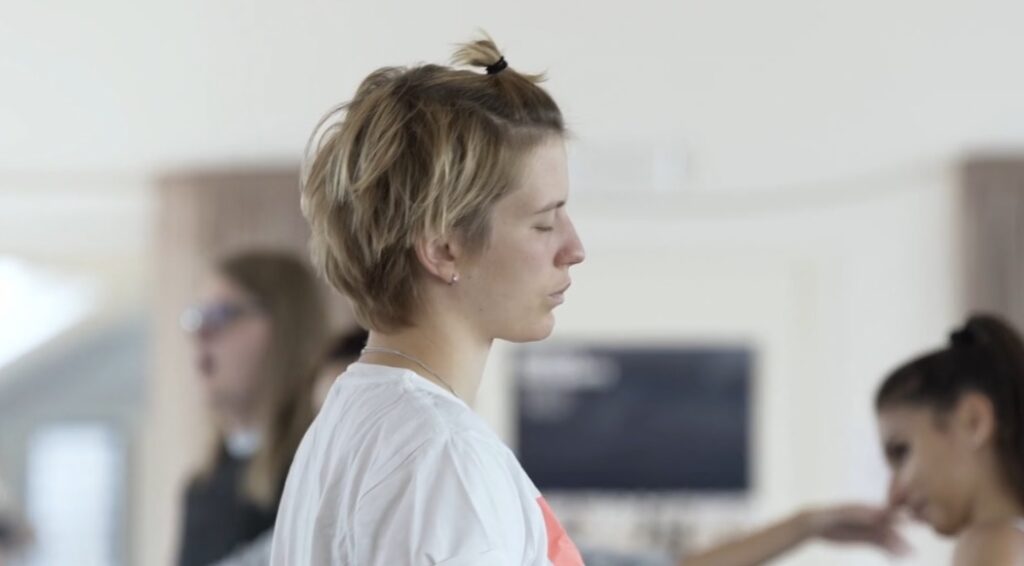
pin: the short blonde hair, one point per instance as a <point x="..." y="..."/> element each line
<point x="418" y="151"/>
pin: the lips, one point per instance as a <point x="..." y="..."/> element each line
<point x="558" y="297"/>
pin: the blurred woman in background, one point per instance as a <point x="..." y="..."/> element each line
<point x="952" y="427"/>
<point x="259" y="331"/>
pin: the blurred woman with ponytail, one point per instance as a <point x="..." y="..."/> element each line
<point x="952" y="427"/>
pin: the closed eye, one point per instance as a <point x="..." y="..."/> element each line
<point x="896" y="452"/>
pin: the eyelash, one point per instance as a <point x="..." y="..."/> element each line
<point x="898" y="454"/>
<point x="544" y="228"/>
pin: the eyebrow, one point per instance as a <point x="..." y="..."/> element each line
<point x="550" y="207"/>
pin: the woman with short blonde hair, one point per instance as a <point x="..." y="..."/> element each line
<point x="436" y="199"/>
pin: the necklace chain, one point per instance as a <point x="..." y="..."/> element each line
<point x="376" y="350"/>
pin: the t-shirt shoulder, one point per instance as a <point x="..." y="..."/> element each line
<point x="408" y="413"/>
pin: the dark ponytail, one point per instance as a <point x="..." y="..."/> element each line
<point x="984" y="356"/>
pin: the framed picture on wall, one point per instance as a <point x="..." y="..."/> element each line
<point x="635" y="418"/>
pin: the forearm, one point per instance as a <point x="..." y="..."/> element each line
<point x="758" y="547"/>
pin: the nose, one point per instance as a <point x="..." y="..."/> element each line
<point x="897" y="492"/>
<point x="572" y="252"/>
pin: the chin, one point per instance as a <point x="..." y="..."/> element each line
<point x="944" y="528"/>
<point x="532" y="333"/>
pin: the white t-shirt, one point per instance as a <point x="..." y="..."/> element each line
<point x="397" y="471"/>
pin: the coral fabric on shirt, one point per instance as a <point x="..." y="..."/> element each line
<point x="561" y="550"/>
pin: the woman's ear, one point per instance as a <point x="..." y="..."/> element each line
<point x="438" y="256"/>
<point x="975" y="419"/>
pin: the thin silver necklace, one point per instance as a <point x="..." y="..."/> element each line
<point x="375" y="350"/>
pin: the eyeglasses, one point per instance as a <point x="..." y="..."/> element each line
<point x="214" y="317"/>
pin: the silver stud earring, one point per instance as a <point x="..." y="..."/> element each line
<point x="454" y="279"/>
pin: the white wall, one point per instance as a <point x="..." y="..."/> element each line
<point x="772" y="94"/>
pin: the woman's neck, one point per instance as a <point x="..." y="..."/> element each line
<point x="455" y="356"/>
<point x="996" y="503"/>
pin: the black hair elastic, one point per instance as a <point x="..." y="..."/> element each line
<point x="497" y="67"/>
